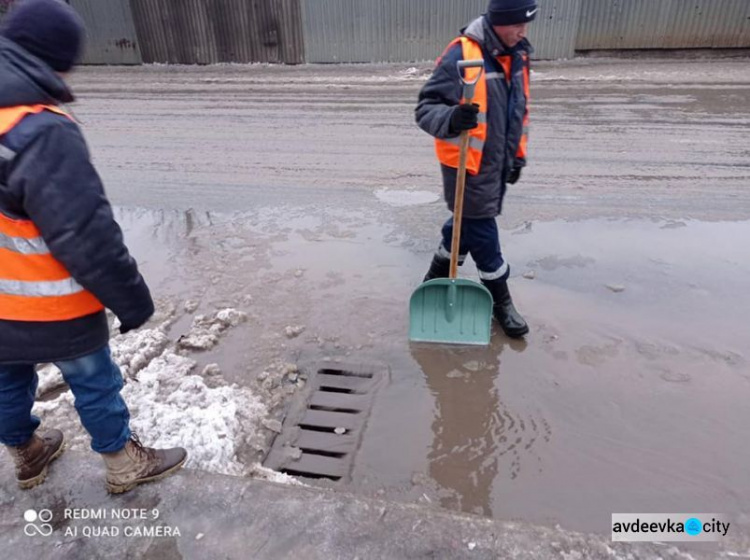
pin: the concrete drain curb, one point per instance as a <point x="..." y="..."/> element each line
<point x="324" y="425"/>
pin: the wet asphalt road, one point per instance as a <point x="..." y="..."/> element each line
<point x="617" y="138"/>
<point x="307" y="196"/>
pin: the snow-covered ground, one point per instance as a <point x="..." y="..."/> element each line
<point x="171" y="403"/>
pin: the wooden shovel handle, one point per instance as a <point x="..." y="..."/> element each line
<point x="458" y="204"/>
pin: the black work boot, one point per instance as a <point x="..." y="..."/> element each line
<point x="32" y="459"/>
<point x="439" y="268"/>
<point x="505" y="312"/>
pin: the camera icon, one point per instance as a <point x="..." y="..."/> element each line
<point x="37" y="523"/>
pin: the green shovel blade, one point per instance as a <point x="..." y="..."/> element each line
<point x="446" y="311"/>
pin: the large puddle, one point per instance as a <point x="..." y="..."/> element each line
<point x="629" y="395"/>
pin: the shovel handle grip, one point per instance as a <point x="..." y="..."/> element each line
<point x="469" y="84"/>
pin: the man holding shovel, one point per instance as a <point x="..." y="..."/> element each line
<point x="497" y="122"/>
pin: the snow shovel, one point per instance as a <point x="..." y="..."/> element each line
<point x="454" y="310"/>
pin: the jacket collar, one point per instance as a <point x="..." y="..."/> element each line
<point x="26" y="80"/>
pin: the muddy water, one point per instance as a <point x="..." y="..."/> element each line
<point x="629" y="394"/>
<point x="630" y="400"/>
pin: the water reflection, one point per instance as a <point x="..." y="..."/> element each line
<point x="478" y="439"/>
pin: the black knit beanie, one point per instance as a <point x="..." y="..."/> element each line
<point x="511" y="12"/>
<point x="49" y="29"/>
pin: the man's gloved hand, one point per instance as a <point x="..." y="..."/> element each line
<point x="127" y="328"/>
<point x="514" y="176"/>
<point x="137" y="316"/>
<point x="464" y="117"/>
<point x="131" y="326"/>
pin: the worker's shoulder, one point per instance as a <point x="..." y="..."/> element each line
<point x="454" y="51"/>
<point x="450" y="56"/>
<point x="36" y="125"/>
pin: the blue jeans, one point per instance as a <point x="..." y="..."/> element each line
<point x="481" y="238"/>
<point x="95" y="381"/>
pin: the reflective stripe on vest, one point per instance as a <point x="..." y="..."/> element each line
<point x="34" y="285"/>
<point x="448" y="149"/>
<point x="521" y="153"/>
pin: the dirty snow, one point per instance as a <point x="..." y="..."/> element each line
<point x="293" y="331"/>
<point x="206" y="331"/>
<point x="171" y="405"/>
<point x="50" y="378"/>
<point x="135" y="350"/>
<point x="394" y="197"/>
<point x="264" y="473"/>
<point x="211" y="369"/>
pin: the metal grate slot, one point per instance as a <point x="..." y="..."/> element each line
<point x="346" y="373"/>
<point x="328" y="467"/>
<point x="336" y="390"/>
<point x="293" y="472"/>
<point x="322" y="453"/>
<point x="332" y="420"/>
<point x="333" y="409"/>
<point x="326" y="441"/>
<point x="354" y="403"/>
<point x="360" y="385"/>
<point x="322" y="429"/>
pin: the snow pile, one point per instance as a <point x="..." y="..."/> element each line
<point x="50" y="378"/>
<point x="275" y="384"/>
<point x="205" y="332"/>
<point x="135" y="350"/>
<point x="170" y="405"/>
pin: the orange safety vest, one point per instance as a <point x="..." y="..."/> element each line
<point x="34" y="285"/>
<point x="448" y="149"/>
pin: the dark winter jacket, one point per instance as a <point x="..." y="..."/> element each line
<point x="506" y="105"/>
<point x="46" y="176"/>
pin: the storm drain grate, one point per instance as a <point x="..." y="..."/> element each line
<point x="323" y="428"/>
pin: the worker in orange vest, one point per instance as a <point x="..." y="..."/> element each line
<point x="62" y="260"/>
<point x="498" y="123"/>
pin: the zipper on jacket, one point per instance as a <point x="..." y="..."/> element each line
<point x="508" y="84"/>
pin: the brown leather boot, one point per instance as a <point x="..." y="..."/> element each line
<point x="32" y="459"/>
<point x="135" y="464"/>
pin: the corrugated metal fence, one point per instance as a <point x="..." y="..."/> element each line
<point x="410" y="30"/>
<point x="295" y="31"/>
<point x="110" y="33"/>
<point x="210" y="31"/>
<point x="664" y="24"/>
